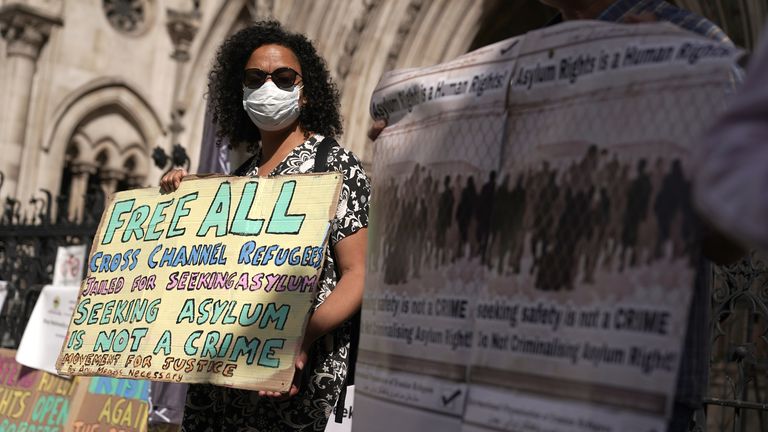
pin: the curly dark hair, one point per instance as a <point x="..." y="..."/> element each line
<point x="320" y="113"/>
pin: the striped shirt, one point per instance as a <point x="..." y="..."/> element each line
<point x="664" y="11"/>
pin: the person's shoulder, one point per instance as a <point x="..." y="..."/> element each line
<point x="246" y="166"/>
<point x="343" y="159"/>
<point x="690" y="21"/>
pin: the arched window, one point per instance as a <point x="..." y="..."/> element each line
<point x="130" y="180"/>
<point x="107" y="153"/>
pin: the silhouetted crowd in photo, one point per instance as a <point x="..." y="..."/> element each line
<point x="560" y="225"/>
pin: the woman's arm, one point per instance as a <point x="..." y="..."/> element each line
<point x="340" y="305"/>
<point x="345" y="300"/>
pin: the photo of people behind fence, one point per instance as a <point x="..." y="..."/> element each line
<point x="598" y="213"/>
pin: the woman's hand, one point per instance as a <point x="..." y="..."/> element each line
<point x="300" y="364"/>
<point x="171" y="181"/>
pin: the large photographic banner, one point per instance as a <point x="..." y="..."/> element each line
<point x="554" y="281"/>
<point x="211" y="283"/>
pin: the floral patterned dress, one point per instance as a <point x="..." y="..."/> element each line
<point x="214" y="408"/>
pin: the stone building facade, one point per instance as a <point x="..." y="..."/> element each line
<point x="89" y="89"/>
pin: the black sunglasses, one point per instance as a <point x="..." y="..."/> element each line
<point x="284" y="78"/>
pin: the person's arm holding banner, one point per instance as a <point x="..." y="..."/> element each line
<point x="732" y="171"/>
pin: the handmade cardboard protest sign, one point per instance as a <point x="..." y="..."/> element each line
<point x="46" y="328"/>
<point x="32" y="400"/>
<point x="105" y="402"/>
<point x="210" y="284"/>
<point x="112" y="404"/>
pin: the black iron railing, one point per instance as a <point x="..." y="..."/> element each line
<point x="30" y="234"/>
<point x="738" y="389"/>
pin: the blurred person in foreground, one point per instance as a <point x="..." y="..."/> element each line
<point x="270" y="89"/>
<point x="730" y="186"/>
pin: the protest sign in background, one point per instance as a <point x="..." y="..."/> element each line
<point x="211" y="283"/>
<point x="46" y="328"/>
<point x="112" y="404"/>
<point x="546" y="281"/>
<point x="31" y="399"/>
<point x="70" y="262"/>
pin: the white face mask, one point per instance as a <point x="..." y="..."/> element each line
<point x="270" y="108"/>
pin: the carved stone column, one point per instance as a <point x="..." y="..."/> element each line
<point x="80" y="175"/>
<point x="25" y="31"/>
<point x="109" y="180"/>
<point x="261" y="9"/>
<point x="134" y="181"/>
<point x="182" y="28"/>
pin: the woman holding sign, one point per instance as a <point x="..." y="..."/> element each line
<point x="270" y="87"/>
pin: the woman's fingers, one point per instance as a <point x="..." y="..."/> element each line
<point x="301" y="361"/>
<point x="167" y="181"/>
<point x="180" y="174"/>
<point x="171" y="181"/>
<point x="270" y="394"/>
